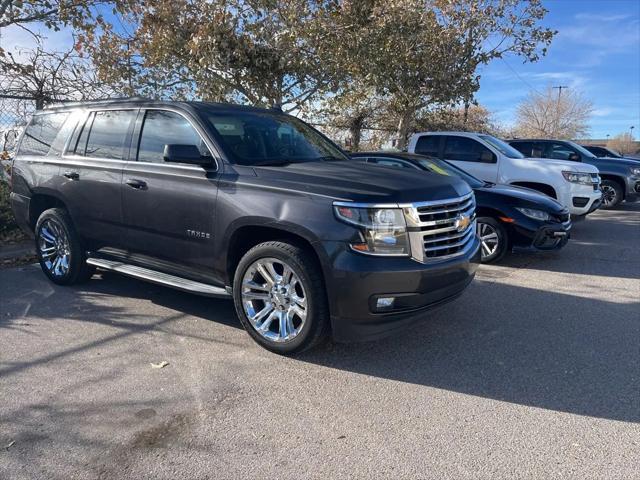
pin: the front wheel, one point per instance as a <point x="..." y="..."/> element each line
<point x="611" y="194"/>
<point x="280" y="298"/>
<point x="494" y="241"/>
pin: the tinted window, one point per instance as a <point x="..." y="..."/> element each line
<point x="81" y="144"/>
<point x="162" y="128"/>
<point x="40" y="134"/>
<point x="108" y="134"/>
<point x="503" y="147"/>
<point x="523" y="147"/>
<point x="262" y="138"/>
<point x="558" y="151"/>
<point x="466" y="150"/>
<point x="428" y="145"/>
<point x="390" y="162"/>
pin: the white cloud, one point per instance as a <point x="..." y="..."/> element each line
<point x="16" y="39"/>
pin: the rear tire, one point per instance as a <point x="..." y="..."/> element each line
<point x="611" y="194"/>
<point x="494" y="240"/>
<point x="279" y="295"/>
<point x="59" y="248"/>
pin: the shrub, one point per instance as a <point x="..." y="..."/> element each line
<point x="8" y="224"/>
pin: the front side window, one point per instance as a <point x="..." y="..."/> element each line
<point x="39" y="137"/>
<point x="559" y="151"/>
<point x="428" y="145"/>
<point x="466" y="150"/>
<point x="503" y="147"/>
<point x="162" y="128"/>
<point x="263" y="138"/>
<point x="107" y="134"/>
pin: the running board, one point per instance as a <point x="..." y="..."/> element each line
<point x="160" y="278"/>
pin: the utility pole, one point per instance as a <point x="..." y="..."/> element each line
<point x="631" y="131"/>
<point x="560" y="88"/>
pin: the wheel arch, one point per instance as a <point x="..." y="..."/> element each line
<point x="617" y="179"/>
<point x="538" y="186"/>
<point x="41" y="201"/>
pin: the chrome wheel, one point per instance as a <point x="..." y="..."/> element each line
<point x="54" y="249"/>
<point x="274" y="300"/>
<point x="609" y="195"/>
<point x="489" y="240"/>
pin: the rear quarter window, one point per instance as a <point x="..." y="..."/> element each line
<point x="40" y="136"/>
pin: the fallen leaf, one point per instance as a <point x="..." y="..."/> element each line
<point x="159" y="365"/>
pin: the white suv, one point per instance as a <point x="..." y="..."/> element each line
<point x="575" y="185"/>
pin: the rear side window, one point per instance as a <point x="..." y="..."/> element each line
<point x="105" y="134"/>
<point x="523" y="147"/>
<point x="428" y="145"/>
<point x="162" y="128"/>
<point x="466" y="150"/>
<point x="40" y="135"/>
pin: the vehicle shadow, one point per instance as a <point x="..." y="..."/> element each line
<point x="519" y="345"/>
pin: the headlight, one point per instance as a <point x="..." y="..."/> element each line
<point x="577" y="177"/>
<point x="535" y="214"/>
<point x="384" y="230"/>
<point x="635" y="171"/>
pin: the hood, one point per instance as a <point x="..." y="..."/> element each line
<point x="629" y="162"/>
<point x="518" y="196"/>
<point x="359" y="182"/>
<point x="565" y="165"/>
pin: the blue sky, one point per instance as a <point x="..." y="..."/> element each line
<point x="596" y="52"/>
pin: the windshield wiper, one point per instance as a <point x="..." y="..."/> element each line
<point x="274" y="163"/>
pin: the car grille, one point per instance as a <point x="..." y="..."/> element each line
<point x="442" y="229"/>
<point x="595" y="181"/>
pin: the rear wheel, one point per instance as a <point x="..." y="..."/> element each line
<point x="59" y="249"/>
<point x="611" y="194"/>
<point x="494" y="241"/>
<point x="279" y="296"/>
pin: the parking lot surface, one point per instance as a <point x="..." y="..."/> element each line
<point x="533" y="373"/>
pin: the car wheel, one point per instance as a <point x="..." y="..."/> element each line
<point x="280" y="297"/>
<point x="59" y="249"/>
<point x="611" y="194"/>
<point x="494" y="241"/>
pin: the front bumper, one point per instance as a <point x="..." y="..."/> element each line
<point x="355" y="282"/>
<point x="548" y="236"/>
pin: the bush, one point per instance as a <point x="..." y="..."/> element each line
<point x="8" y="225"/>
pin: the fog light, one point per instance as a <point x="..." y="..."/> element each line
<point x="385" y="302"/>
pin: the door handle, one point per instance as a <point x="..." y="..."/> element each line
<point x="71" y="175"/>
<point x="135" y="183"/>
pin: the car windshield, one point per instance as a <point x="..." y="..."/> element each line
<point x="443" y="168"/>
<point x="582" y="150"/>
<point x="503" y="147"/>
<point x="264" y="138"/>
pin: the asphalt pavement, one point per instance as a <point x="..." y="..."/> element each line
<point x="533" y="373"/>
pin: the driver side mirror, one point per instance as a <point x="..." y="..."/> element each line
<point x="175" y="153"/>
<point x="487" y="157"/>
<point x="574" y="157"/>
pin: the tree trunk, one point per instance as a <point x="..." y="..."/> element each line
<point x="404" y="128"/>
<point x="355" y="130"/>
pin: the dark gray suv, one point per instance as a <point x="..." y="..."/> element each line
<point x="247" y="203"/>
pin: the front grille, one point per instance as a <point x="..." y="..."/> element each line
<point x="444" y="228"/>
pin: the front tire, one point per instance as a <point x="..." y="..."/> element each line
<point x="280" y="298"/>
<point x="611" y="194"/>
<point x="494" y="241"/>
<point x="59" y="249"/>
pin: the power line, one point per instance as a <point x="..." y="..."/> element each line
<point x="560" y="88"/>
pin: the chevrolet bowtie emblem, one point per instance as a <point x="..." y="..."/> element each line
<point x="462" y="222"/>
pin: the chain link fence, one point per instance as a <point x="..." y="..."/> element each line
<point x="15" y="112"/>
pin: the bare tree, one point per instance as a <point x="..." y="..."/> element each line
<point x="623" y="143"/>
<point x="550" y="114"/>
<point x="48" y="76"/>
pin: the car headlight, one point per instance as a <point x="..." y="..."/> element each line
<point x="535" y="214"/>
<point x="635" y="171"/>
<point x="384" y="230"/>
<point x="577" y="177"/>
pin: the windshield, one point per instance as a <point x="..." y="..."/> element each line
<point x="582" y="150"/>
<point x="443" y="168"/>
<point x="503" y="147"/>
<point x="263" y="138"/>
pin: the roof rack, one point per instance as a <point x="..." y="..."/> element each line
<point x="67" y="103"/>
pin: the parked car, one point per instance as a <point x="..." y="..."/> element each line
<point x="242" y="203"/>
<point x="576" y="186"/>
<point x="620" y="178"/>
<point x="508" y="217"/>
